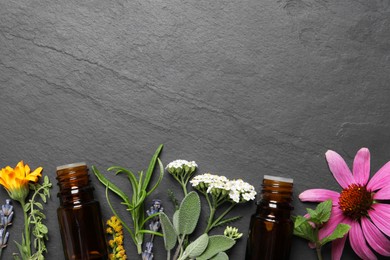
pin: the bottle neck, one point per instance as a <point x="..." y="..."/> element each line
<point x="276" y="196"/>
<point x="74" y="183"/>
<point x="277" y="191"/>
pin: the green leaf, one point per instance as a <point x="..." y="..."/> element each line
<point x="322" y="212"/>
<point x="217" y="243"/>
<point x="169" y="232"/>
<point x="110" y="185"/>
<point x="159" y="178"/>
<point x="339" y="232"/>
<point x="39" y="205"/>
<point x="175" y="221"/>
<point x="228" y="220"/>
<point x="43" y="229"/>
<point x="303" y="229"/>
<point x="130" y="175"/>
<point x="118" y="217"/>
<point x="46" y="180"/>
<point x="196" y="248"/>
<point x="43" y="197"/>
<point x="189" y="213"/>
<point x="150" y="169"/>
<point x="220" y="256"/>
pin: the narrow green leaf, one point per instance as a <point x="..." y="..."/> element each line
<point x="110" y="185"/>
<point x="140" y="199"/>
<point x="339" y="232"/>
<point x="189" y="213"/>
<point x="43" y="197"/>
<point x="217" y="243"/>
<point x="130" y="175"/>
<point x="196" y="248"/>
<point x="150" y="169"/>
<point x="229" y="220"/>
<point x="117" y="216"/>
<point x="38" y="204"/>
<point x="169" y="232"/>
<point x="159" y="178"/>
<point x="147" y="231"/>
<point x="140" y="179"/>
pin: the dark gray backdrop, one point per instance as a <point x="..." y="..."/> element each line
<point x="244" y="88"/>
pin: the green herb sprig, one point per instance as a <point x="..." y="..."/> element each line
<point x="35" y="216"/>
<point x="309" y="227"/>
<point x="135" y="202"/>
<point x="184" y="222"/>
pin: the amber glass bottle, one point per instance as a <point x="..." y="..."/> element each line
<point x="79" y="215"/>
<point x="271" y="227"/>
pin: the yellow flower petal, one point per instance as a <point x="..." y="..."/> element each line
<point x="16" y="180"/>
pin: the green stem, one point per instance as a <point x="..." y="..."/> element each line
<point x="223" y="214"/>
<point x="184" y="185"/>
<point x="211" y="216"/>
<point x="318" y="250"/>
<point x="317" y="243"/>
<point x="26" y="245"/>
<point x="179" y="248"/>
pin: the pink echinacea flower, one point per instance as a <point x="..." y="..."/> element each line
<point x="359" y="204"/>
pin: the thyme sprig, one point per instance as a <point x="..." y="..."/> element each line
<point x="34" y="226"/>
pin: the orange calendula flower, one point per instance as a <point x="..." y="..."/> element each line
<point x="16" y="180"/>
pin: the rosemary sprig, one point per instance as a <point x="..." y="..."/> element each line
<point x="135" y="203"/>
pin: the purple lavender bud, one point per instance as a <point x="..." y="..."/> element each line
<point x="154" y="225"/>
<point x="149" y="247"/>
<point x="155" y="208"/>
<point x="147" y="254"/>
<point x="7" y="209"/>
<point x="3" y="239"/>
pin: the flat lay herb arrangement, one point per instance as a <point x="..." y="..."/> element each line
<point x="359" y="213"/>
<point x="19" y="183"/>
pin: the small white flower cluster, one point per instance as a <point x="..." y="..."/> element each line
<point x="241" y="190"/>
<point x="237" y="190"/>
<point x="181" y="169"/>
<point x="180" y="164"/>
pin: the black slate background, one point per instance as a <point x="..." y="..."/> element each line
<point x="244" y="88"/>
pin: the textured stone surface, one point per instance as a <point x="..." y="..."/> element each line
<point x="245" y="88"/>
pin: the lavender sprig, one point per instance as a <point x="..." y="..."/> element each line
<point x="154" y="226"/>
<point x="6" y="215"/>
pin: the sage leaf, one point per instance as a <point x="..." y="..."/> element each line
<point x="189" y="213"/>
<point x="220" y="256"/>
<point x="175" y="221"/>
<point x="196" y="248"/>
<point x="169" y="232"/>
<point x="217" y="243"/>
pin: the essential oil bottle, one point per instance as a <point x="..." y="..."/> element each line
<point x="271" y="227"/>
<point x="79" y="215"/>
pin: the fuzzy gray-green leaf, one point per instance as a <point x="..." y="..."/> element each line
<point x="175" y="221"/>
<point x="169" y="232"/>
<point x="220" y="256"/>
<point x="217" y="243"/>
<point x="189" y="213"/>
<point x="196" y="248"/>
